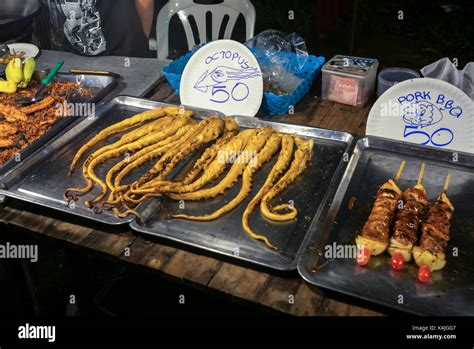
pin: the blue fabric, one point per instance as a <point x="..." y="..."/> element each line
<point x="272" y="104"/>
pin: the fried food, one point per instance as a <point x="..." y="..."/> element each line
<point x="123" y="126"/>
<point x="213" y="171"/>
<point x="89" y="169"/>
<point x="11" y="113"/>
<point x="6" y="143"/>
<point x="35" y="124"/>
<point x="222" y="147"/>
<point x="203" y="133"/>
<point x="46" y="102"/>
<point x="283" y="161"/>
<point x="7" y="129"/>
<point x="256" y="143"/>
<point x="298" y="165"/>
<point x="267" y="152"/>
<point x="151" y="152"/>
<point x="201" y="164"/>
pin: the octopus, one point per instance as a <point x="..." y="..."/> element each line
<point x="298" y="165"/>
<point x="157" y="141"/>
<point x="205" y="132"/>
<point x="88" y="167"/>
<point x="256" y="143"/>
<point x="215" y="168"/>
<point x="123" y="126"/>
<point x="281" y="165"/>
<point x="209" y="154"/>
<point x="267" y="152"/>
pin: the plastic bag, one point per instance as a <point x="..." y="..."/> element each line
<point x="280" y="57"/>
<point x="445" y="70"/>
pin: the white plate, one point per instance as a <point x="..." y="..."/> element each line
<point x="30" y="49"/>
<point x="425" y="111"/>
<point x="224" y="76"/>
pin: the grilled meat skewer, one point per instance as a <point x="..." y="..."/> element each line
<point x="430" y="255"/>
<point x="375" y="235"/>
<point x="407" y="222"/>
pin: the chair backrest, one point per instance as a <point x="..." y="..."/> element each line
<point x="186" y="8"/>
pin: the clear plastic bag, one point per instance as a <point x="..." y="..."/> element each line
<point x="281" y="56"/>
<point x="445" y="70"/>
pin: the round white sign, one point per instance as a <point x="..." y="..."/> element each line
<point x="425" y="111"/>
<point x="225" y="76"/>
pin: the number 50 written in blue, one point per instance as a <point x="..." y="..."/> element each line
<point x="440" y="138"/>
<point x="239" y="92"/>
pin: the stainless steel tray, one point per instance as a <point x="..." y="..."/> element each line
<point x="451" y="290"/>
<point x="43" y="177"/>
<point x="226" y="236"/>
<point x="100" y="85"/>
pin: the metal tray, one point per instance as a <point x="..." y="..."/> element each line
<point x="43" y="177"/>
<point x="451" y="290"/>
<point x="100" y="85"/>
<point x="226" y="236"/>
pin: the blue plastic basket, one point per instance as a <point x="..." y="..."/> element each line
<point x="272" y="104"/>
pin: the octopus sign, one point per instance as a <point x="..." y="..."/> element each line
<point x="224" y="76"/>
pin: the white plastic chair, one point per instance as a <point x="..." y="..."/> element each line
<point x="186" y="8"/>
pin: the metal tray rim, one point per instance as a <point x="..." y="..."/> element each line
<point x="343" y="186"/>
<point x="7" y="168"/>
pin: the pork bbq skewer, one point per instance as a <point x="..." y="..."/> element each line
<point x="430" y="255"/>
<point x="406" y="223"/>
<point x="375" y="236"/>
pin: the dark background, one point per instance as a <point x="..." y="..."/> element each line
<point x="429" y="30"/>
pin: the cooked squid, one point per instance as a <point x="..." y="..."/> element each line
<point x="123" y="126"/>
<point x="298" y="165"/>
<point x="270" y="148"/>
<point x="282" y="163"/>
<point x="256" y="143"/>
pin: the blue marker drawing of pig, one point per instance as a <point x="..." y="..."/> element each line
<point x="222" y="74"/>
<point x="422" y="113"/>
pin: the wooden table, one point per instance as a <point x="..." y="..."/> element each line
<point x="285" y="293"/>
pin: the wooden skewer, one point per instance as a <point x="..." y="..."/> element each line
<point x="446" y="183"/>
<point x="420" y="175"/>
<point x="399" y="173"/>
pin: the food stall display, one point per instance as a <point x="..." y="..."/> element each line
<point x="27" y="127"/>
<point x="428" y="263"/>
<point x="226" y="167"/>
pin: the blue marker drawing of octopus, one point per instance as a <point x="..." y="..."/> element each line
<point x="422" y="114"/>
<point x="225" y="83"/>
